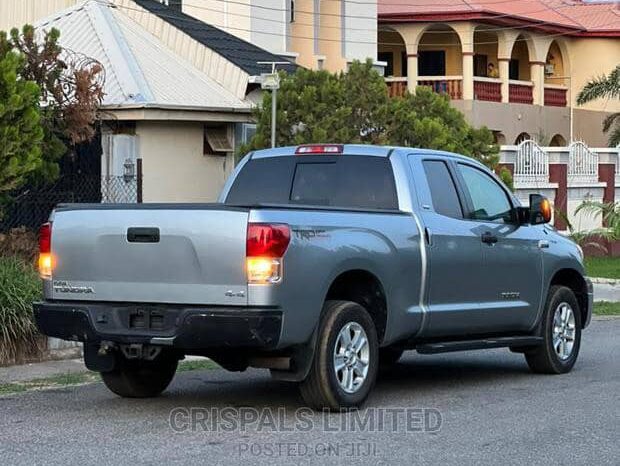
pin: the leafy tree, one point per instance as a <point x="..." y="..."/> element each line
<point x="71" y="90"/>
<point x="605" y="87"/>
<point x="354" y="107"/>
<point x="20" y="129"/>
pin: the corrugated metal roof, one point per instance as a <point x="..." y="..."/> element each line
<point x="140" y="70"/>
<point x="243" y="54"/>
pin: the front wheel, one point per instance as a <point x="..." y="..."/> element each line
<point x="346" y="360"/>
<point x="139" y="378"/>
<point x="561" y="332"/>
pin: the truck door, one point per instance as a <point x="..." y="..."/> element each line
<point x="510" y="290"/>
<point x="454" y="251"/>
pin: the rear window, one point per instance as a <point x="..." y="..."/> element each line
<point x="339" y="181"/>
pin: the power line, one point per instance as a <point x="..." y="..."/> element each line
<point x="197" y="21"/>
<point x="319" y="13"/>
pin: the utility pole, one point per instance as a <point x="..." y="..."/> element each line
<point x="271" y="82"/>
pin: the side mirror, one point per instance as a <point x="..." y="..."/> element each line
<point x="540" y="209"/>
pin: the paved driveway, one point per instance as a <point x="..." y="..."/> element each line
<point x="492" y="410"/>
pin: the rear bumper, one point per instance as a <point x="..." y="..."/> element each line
<point x="181" y="327"/>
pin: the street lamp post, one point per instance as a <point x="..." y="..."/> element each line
<point x="271" y="82"/>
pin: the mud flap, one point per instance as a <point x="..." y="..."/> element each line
<point x="301" y="361"/>
<point x="97" y="361"/>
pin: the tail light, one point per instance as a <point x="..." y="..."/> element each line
<point x="265" y="247"/>
<point x="45" y="250"/>
<point x="313" y="149"/>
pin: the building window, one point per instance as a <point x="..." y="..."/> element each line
<point x="292" y="8"/>
<point x="480" y="65"/>
<point x="513" y="69"/>
<point x="432" y="63"/>
<point x="387" y="57"/>
<point x="403" y="63"/>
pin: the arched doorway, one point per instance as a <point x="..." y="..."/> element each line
<point x="392" y="51"/>
<point x="487" y="85"/>
<point x="519" y="68"/>
<point x="555" y="65"/>
<point x="520" y="89"/>
<point x="499" y="137"/>
<point x="485" y="53"/>
<point x="440" y="60"/>
<point x="556" y="73"/>
<point x="557" y="141"/>
<point x="522" y="137"/>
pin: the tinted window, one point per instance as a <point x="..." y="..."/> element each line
<point x="262" y="181"/>
<point x="489" y="200"/>
<point x="443" y="191"/>
<point x="339" y="181"/>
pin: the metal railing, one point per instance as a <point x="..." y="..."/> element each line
<point x="397" y="86"/>
<point x="532" y="163"/>
<point x="450" y="85"/>
<point x="582" y="163"/>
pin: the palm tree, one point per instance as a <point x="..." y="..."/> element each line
<point x="610" y="214"/>
<point x="600" y="88"/>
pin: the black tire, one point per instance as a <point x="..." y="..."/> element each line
<point x="321" y="389"/>
<point x="544" y="359"/>
<point x="138" y="378"/>
<point x="389" y="355"/>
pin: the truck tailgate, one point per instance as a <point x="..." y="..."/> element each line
<point x="150" y="253"/>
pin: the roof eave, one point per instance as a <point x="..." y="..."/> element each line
<point x="483" y="16"/>
<point x="179" y="107"/>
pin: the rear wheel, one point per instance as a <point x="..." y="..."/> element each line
<point x="561" y="331"/>
<point x="346" y="360"/>
<point x="139" y="378"/>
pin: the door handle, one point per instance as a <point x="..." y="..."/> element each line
<point x="143" y="235"/>
<point x="488" y="238"/>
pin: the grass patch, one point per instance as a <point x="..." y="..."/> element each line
<point x="19" y="287"/>
<point x="56" y="381"/>
<point x="202" y="364"/>
<point x="605" y="308"/>
<point x="78" y="378"/>
<point x="603" y="267"/>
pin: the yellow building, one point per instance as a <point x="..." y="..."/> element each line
<point x="318" y="34"/>
<point x="516" y="67"/>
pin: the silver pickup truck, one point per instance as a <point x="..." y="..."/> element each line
<point x="321" y="263"/>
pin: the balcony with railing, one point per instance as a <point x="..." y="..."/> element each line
<point x="488" y="89"/>
<point x="450" y="85"/>
<point x="520" y="92"/>
<point x="397" y="86"/>
<point x="555" y="96"/>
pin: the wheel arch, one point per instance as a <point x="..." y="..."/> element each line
<point x="365" y="288"/>
<point x="576" y="282"/>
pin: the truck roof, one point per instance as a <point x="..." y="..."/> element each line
<point x="358" y="149"/>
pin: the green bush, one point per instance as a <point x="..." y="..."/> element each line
<point x="19" y="287"/>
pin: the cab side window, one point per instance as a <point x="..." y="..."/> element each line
<point x="443" y="190"/>
<point x="490" y="201"/>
